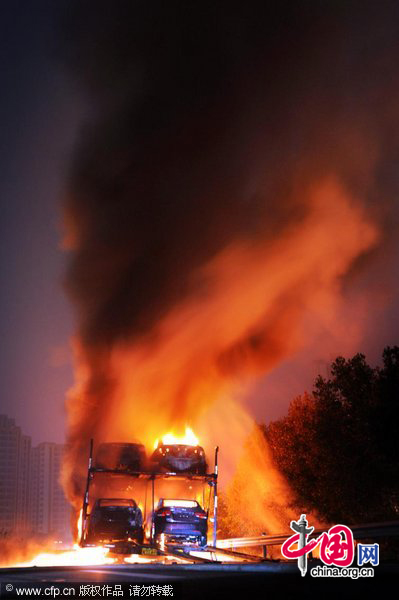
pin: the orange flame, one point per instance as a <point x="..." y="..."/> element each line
<point x="248" y="309"/>
<point x="189" y="438"/>
<point x="80" y="524"/>
<point x="19" y="552"/>
<point x="76" y="557"/>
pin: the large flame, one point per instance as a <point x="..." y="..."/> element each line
<point x="189" y="438"/>
<point x="196" y="367"/>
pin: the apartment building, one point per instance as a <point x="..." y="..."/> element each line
<point x="31" y="498"/>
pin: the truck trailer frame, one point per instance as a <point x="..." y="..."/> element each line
<point x="150" y="478"/>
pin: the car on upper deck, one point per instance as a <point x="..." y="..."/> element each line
<point x="179" y="458"/>
<point x="121" y="456"/>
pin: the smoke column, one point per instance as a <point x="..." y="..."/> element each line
<point x="222" y="192"/>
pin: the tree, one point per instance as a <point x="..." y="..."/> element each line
<point x="339" y="445"/>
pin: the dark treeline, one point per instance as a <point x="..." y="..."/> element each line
<point x="339" y="446"/>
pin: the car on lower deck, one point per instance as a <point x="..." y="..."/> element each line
<point x="179" y="523"/>
<point x="115" y="520"/>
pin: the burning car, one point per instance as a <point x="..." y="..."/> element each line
<point x="121" y="456"/>
<point x="115" y="520"/>
<point x="179" y="458"/>
<point x="180" y="522"/>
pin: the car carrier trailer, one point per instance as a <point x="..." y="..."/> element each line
<point x="149" y="478"/>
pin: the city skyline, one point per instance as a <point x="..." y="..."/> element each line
<point x="31" y="497"/>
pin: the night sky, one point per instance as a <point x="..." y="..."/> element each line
<point x="40" y="115"/>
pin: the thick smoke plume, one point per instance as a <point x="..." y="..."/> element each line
<point x="222" y="192"/>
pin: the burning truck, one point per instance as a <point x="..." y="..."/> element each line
<point x="136" y="505"/>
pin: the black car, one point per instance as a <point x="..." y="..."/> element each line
<point x="115" y="520"/>
<point x="179" y="458"/>
<point x="180" y="522"/>
<point x="122" y="457"/>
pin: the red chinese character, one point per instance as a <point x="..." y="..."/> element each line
<point x="335" y="549"/>
<point x="288" y="553"/>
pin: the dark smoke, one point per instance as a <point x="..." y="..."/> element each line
<point x="206" y="119"/>
<point x="208" y="123"/>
